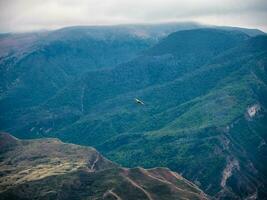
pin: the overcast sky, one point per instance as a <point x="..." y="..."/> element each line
<point x="28" y="15"/>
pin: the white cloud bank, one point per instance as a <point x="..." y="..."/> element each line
<point x="27" y="15"/>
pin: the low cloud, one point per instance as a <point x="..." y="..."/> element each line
<point x="21" y="15"/>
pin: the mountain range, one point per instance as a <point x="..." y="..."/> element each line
<point x="204" y="92"/>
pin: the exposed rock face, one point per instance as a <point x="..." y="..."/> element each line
<point x="227" y="172"/>
<point x="50" y="169"/>
<point x="253" y="110"/>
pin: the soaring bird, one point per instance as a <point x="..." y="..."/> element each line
<point x="139" y="101"/>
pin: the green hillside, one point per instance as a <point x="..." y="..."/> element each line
<point x="204" y="112"/>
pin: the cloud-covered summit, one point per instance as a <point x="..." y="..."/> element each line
<point x="21" y="15"/>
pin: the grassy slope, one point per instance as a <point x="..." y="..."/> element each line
<point x="49" y="169"/>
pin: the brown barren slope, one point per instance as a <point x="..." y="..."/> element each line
<point x="50" y="169"/>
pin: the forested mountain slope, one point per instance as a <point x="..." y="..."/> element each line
<point x="204" y="112"/>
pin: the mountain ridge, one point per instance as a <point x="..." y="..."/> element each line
<point x="196" y="111"/>
<point x="76" y="168"/>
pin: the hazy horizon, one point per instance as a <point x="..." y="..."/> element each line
<point x="34" y="15"/>
<point x="128" y="24"/>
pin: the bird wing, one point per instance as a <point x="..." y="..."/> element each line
<point x="139" y="101"/>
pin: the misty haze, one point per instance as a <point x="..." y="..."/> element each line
<point x="133" y="100"/>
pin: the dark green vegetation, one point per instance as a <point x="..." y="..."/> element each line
<point x="205" y="98"/>
<point x="50" y="169"/>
